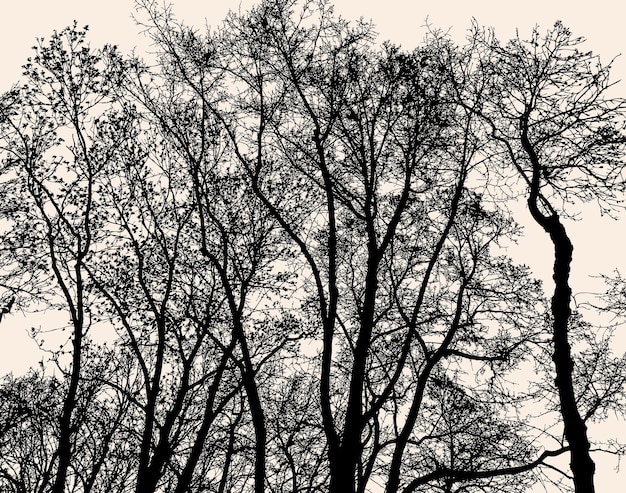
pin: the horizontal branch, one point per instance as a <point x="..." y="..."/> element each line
<point x="459" y="475"/>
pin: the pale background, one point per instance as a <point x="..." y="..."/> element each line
<point x="598" y="241"/>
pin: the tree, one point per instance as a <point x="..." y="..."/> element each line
<point x="362" y="109"/>
<point x="66" y="82"/>
<point x="290" y="237"/>
<point x="234" y="234"/>
<point x="547" y="105"/>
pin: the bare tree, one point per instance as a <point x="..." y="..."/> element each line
<point x="65" y="83"/>
<point x="291" y="238"/>
<point x="368" y="138"/>
<point x="548" y="106"/>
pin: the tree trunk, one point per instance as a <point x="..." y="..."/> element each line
<point x="342" y="473"/>
<point x="575" y="429"/>
<point x="66" y="429"/>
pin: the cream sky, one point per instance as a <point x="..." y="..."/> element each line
<point x="399" y="20"/>
<point x="598" y="241"/>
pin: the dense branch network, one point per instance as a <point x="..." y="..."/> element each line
<point x="280" y="249"/>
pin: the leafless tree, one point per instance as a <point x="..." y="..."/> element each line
<point x="290" y="236"/>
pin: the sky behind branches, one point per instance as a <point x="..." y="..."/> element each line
<point x="598" y="241"/>
<point x="400" y="21"/>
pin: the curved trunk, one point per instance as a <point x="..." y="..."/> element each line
<point x="575" y="430"/>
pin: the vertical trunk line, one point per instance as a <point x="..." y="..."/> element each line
<point x="581" y="464"/>
<point x="575" y="430"/>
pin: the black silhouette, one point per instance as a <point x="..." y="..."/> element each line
<point x="278" y="251"/>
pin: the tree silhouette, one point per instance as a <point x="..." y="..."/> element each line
<point x="547" y="105"/>
<point x="290" y="239"/>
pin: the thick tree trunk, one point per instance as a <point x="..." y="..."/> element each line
<point x="343" y="473"/>
<point x="146" y="480"/>
<point x="575" y="429"/>
<point x="581" y="464"/>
